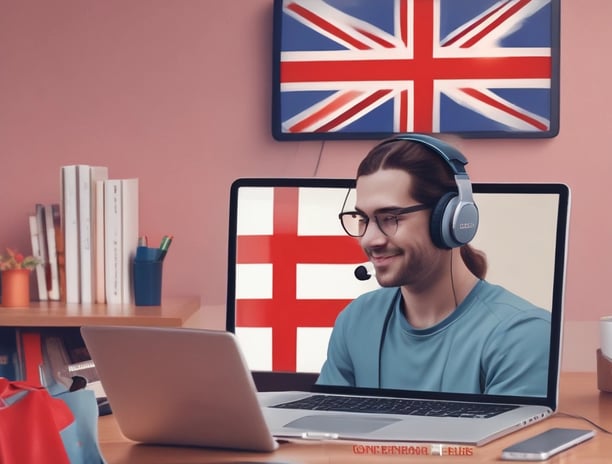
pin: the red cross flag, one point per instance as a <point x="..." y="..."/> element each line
<point x="294" y="273"/>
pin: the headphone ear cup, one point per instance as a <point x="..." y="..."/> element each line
<point x="440" y="222"/>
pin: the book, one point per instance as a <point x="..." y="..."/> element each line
<point x="7" y="355"/>
<point x="113" y="278"/>
<point x="85" y="235"/>
<point x="129" y="235"/>
<point x="98" y="245"/>
<point x="53" y="280"/>
<point x="42" y="242"/>
<point x="41" y="280"/>
<point x="56" y="360"/>
<point x="70" y="232"/>
<point x="87" y="176"/>
<point x="29" y="351"/>
<point x="59" y="249"/>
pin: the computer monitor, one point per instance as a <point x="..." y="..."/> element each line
<point x="292" y="268"/>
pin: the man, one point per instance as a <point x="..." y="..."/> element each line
<point x="435" y="324"/>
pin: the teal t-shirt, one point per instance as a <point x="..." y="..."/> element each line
<point x="495" y="342"/>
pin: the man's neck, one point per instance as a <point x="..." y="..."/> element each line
<point x="426" y="307"/>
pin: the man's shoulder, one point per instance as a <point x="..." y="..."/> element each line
<point x="499" y="299"/>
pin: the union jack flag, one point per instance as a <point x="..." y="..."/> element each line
<point x="368" y="69"/>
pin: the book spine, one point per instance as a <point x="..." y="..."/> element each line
<point x="112" y="241"/>
<point x="32" y="360"/>
<point x="70" y="229"/>
<point x="129" y="234"/>
<point x="98" y="175"/>
<point x="42" y="242"/>
<point x="85" y="236"/>
<point x="40" y="268"/>
<point x="8" y="352"/>
<point x="100" y="291"/>
<point x="59" y="249"/>
<point x="53" y="288"/>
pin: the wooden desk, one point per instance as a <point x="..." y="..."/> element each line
<point x="579" y="395"/>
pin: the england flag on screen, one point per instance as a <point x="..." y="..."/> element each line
<point x="389" y="66"/>
<point x="295" y="272"/>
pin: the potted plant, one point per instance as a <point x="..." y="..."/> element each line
<point x="15" y="269"/>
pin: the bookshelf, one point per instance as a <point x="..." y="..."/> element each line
<point x="173" y="312"/>
<point x="50" y="330"/>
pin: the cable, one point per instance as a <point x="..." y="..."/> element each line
<point x="453" y="280"/>
<point x="577" y="416"/>
<point x="316" y="169"/>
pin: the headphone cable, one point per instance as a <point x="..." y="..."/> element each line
<point x="452" y="279"/>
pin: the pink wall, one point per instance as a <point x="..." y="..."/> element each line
<point x="178" y="94"/>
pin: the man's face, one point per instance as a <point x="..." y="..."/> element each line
<point x="408" y="256"/>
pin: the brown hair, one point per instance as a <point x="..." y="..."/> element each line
<point x="432" y="178"/>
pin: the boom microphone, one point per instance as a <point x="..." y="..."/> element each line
<point x="361" y="272"/>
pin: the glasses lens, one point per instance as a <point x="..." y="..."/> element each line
<point x="354" y="223"/>
<point x="387" y="223"/>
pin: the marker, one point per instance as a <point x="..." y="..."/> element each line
<point x="165" y="244"/>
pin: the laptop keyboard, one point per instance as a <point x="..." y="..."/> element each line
<point x="397" y="406"/>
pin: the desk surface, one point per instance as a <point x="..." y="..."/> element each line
<point x="579" y="396"/>
<point x="172" y="313"/>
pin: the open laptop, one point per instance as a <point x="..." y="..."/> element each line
<point x="174" y="386"/>
<point x="291" y="270"/>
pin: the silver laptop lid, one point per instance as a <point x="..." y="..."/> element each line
<point x="178" y="386"/>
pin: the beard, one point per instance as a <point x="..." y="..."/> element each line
<point x="414" y="267"/>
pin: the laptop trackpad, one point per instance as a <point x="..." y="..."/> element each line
<point x="342" y="424"/>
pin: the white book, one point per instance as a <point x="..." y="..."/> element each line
<point x="70" y="231"/>
<point x="113" y="278"/>
<point x="87" y="177"/>
<point x="40" y="269"/>
<point x="129" y="214"/>
<point x="53" y="281"/>
<point x="98" y="246"/>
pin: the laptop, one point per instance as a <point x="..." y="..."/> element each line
<point x="291" y="270"/>
<point x="182" y="387"/>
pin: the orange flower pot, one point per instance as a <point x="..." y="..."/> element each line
<point x="15" y="287"/>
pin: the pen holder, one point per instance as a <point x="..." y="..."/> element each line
<point x="147" y="283"/>
<point x="604" y="372"/>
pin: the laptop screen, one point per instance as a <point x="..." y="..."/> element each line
<point x="292" y="268"/>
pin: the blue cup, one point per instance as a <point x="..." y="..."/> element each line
<point x="147" y="283"/>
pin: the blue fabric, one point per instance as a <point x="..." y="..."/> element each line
<point x="81" y="437"/>
<point x="494" y="342"/>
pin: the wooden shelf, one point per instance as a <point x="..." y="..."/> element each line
<point x="173" y="312"/>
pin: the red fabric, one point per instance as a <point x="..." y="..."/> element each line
<point x="30" y="427"/>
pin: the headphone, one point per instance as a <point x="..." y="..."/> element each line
<point x="454" y="218"/>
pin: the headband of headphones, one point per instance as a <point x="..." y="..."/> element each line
<point x="453" y="157"/>
<point x="455" y="218"/>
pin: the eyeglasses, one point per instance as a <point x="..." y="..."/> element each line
<point x="355" y="223"/>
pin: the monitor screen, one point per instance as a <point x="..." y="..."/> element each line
<point x="292" y="268"/>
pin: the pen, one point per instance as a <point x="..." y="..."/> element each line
<point x="165" y="244"/>
<point x="142" y="241"/>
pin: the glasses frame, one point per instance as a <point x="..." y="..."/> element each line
<point x="391" y="212"/>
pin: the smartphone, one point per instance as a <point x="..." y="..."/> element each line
<point x="546" y="444"/>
